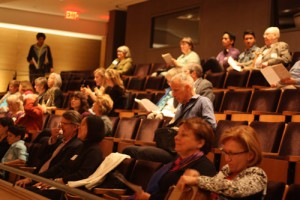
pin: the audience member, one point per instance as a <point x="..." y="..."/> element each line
<point x="274" y="52"/>
<point x="100" y="85"/>
<point x="33" y="118"/>
<point x="39" y="58"/>
<point x="166" y="104"/>
<point x="114" y="88"/>
<point x="15" y="107"/>
<point x="62" y="144"/>
<point x="13" y="88"/>
<point x="53" y="98"/>
<point x="5" y="123"/>
<point x="228" y="41"/>
<point x="246" y="58"/>
<point x="294" y="79"/>
<point x="240" y="178"/>
<point x="193" y="141"/>
<point x="25" y="88"/>
<point x="202" y="86"/>
<point x="79" y="103"/>
<point x="188" y="55"/>
<point x="17" y="152"/>
<point x="190" y="105"/>
<point x="123" y="63"/>
<point x="220" y="63"/>
<point x="41" y="86"/>
<point x="82" y="164"/>
<point x="102" y="107"/>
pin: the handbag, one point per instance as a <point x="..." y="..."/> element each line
<point x="189" y="193"/>
<point x="164" y="138"/>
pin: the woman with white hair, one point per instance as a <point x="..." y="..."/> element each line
<point x="123" y="62"/>
<point x="53" y="98"/>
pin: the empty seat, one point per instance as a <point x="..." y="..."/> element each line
<point x="218" y="100"/>
<point x="269" y="134"/>
<point x="217" y="79"/>
<point x="236" y="100"/>
<point x="291" y="140"/>
<point x="143" y="95"/>
<point x="154" y="83"/>
<point x="275" y="190"/>
<point x="141" y="70"/>
<point x="157" y="67"/>
<point x="264" y="100"/>
<point x="290" y="101"/>
<point x="293" y="192"/>
<point x="257" y="79"/>
<point x="236" y="79"/>
<point x="136" y="83"/>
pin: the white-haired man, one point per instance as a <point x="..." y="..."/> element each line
<point x="274" y="52"/>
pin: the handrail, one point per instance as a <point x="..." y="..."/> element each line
<point x="57" y="185"/>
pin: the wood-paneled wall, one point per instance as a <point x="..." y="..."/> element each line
<point x="68" y="53"/>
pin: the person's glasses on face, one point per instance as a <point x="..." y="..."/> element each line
<point x="231" y="154"/>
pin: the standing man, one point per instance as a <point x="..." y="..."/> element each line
<point x="39" y="58"/>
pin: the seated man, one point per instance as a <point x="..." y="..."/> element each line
<point x="202" y="86"/>
<point x="245" y="59"/>
<point x="190" y="105"/>
<point x="220" y="63"/>
<point x="274" y="52"/>
<point x="295" y="76"/>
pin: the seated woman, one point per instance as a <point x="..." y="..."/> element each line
<point x="114" y="88"/>
<point x="240" y="178"/>
<point x="123" y="63"/>
<point x="15" y="107"/>
<point x="79" y="103"/>
<point x="98" y="90"/>
<point x="13" y="88"/>
<point x="80" y="166"/>
<point x="193" y="141"/>
<point x="102" y="108"/>
<point x="53" y="98"/>
<point x="5" y="123"/>
<point x="40" y="86"/>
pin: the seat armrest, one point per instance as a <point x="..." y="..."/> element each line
<point x="108" y="190"/>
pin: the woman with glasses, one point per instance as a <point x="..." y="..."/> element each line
<point x="240" y="178"/>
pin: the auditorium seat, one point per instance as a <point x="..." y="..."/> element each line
<point x="217" y="79"/>
<point x="236" y="100"/>
<point x="291" y="140"/>
<point x="136" y="83"/>
<point x="141" y="70"/>
<point x="290" y="101"/>
<point x="154" y="83"/>
<point x="236" y="79"/>
<point x="256" y="79"/>
<point x="264" y="100"/>
<point x="269" y="134"/>
<point x="142" y="95"/>
<point x="293" y="192"/>
<point x="275" y="190"/>
<point x="157" y="67"/>
<point x="219" y="94"/>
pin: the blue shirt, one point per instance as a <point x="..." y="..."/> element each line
<point x="16" y="151"/>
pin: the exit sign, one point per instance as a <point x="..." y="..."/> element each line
<point x="72" y="15"/>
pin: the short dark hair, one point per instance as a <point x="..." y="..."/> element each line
<point x="201" y="130"/>
<point x="231" y="36"/>
<point x="41" y="35"/>
<point x="6" y="121"/>
<point x="249" y="32"/>
<point x="17" y="130"/>
<point x="95" y="129"/>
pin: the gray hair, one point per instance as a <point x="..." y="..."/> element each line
<point x="194" y="67"/>
<point x="57" y="79"/>
<point x="274" y="30"/>
<point x="125" y="50"/>
<point x="172" y="72"/>
<point x="183" y="79"/>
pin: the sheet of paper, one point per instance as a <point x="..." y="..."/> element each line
<point x="168" y="58"/>
<point x="233" y="64"/>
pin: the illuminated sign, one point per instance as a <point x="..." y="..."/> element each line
<point x="71" y="15"/>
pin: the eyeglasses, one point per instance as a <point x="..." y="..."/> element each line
<point x="231" y="154"/>
<point x="64" y="123"/>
